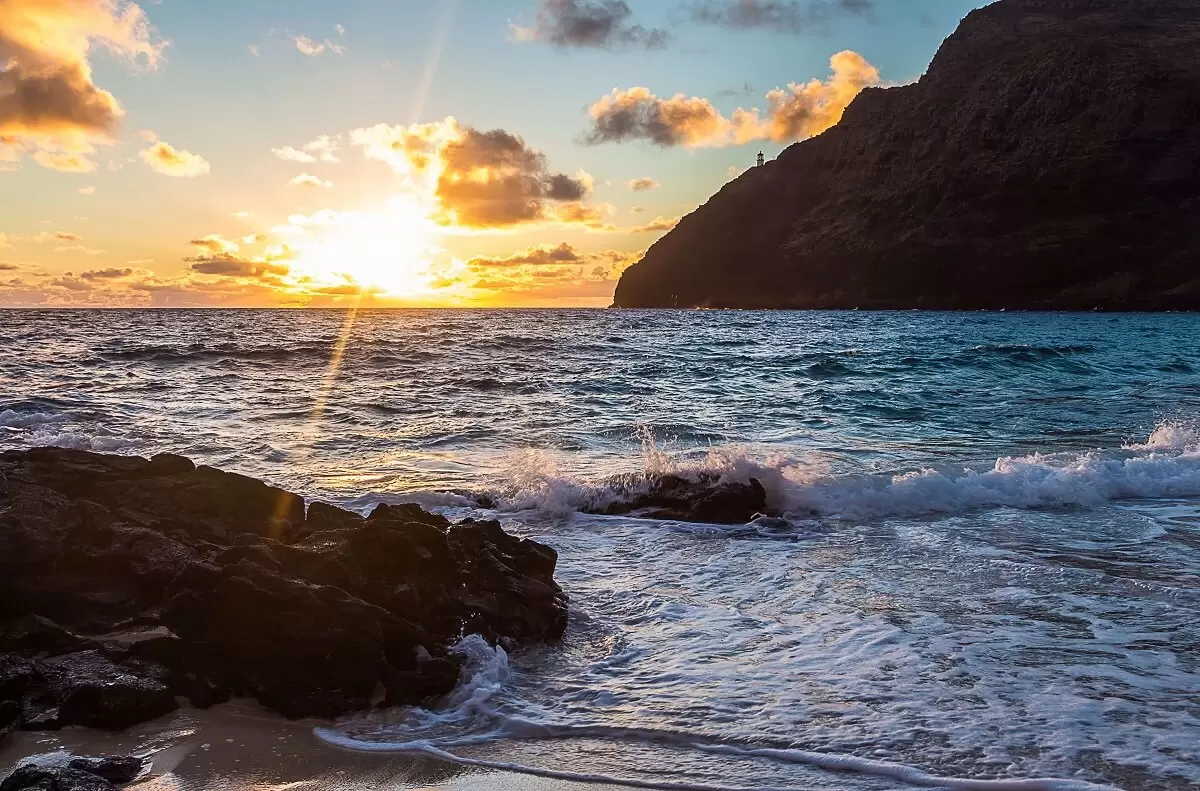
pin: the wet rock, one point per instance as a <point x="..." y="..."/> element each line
<point x="126" y="582"/>
<point x="90" y="690"/>
<point x="54" y="778"/>
<point x="704" y="499"/>
<point x="113" y="768"/>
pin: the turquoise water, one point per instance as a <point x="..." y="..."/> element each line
<point x="982" y="560"/>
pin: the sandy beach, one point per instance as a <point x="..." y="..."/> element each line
<point x="240" y="746"/>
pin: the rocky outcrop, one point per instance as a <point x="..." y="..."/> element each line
<point x="1049" y="158"/>
<point x="126" y="583"/>
<point x="703" y="498"/>
<point x="79" y="774"/>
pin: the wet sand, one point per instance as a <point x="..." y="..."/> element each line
<point x="240" y="746"/>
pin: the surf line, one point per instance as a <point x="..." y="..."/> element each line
<point x="841" y="763"/>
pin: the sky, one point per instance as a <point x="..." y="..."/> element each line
<point x="401" y="152"/>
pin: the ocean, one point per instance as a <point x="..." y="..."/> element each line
<point x="980" y="569"/>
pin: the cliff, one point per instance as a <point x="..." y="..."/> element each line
<point x="1048" y="159"/>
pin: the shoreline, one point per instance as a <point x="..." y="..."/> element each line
<point x="241" y="745"/>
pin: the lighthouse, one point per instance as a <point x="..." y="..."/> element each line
<point x="761" y="159"/>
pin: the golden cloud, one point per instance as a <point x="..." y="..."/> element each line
<point x="801" y="111"/>
<point x="169" y="161"/>
<point x="49" y="104"/>
<point x="656" y="225"/>
<point x="479" y="179"/>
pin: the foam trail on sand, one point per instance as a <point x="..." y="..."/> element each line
<point x="842" y="763"/>
<point x="468" y="717"/>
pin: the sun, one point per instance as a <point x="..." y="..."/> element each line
<point x="388" y="252"/>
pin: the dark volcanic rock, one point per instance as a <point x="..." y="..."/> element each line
<point x="701" y="499"/>
<point x="113" y="768"/>
<point x="54" y="778"/>
<point x="125" y="583"/>
<point x="1050" y="158"/>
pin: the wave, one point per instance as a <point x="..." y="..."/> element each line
<point x="219" y="352"/>
<point x="468" y="717"/>
<point x="1167" y="464"/>
<point x="11" y="418"/>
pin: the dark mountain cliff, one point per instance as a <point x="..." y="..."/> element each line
<point x="1050" y="158"/>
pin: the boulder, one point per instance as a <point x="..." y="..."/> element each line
<point x="118" y="769"/>
<point x="704" y="498"/>
<point x="127" y="582"/>
<point x="31" y="777"/>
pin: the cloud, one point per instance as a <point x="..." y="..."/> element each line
<point x="253" y="50"/>
<point x="66" y="236"/>
<point x="800" y="111"/>
<point x="63" y="162"/>
<point x="478" y="179"/>
<point x="107" y="274"/>
<point x="231" y="265"/>
<point x="49" y="104"/>
<point x="642" y="184"/>
<point x="89" y="190"/>
<point x="322" y="149"/>
<point x="534" y="256"/>
<point x="214" y="243"/>
<point x="775" y="15"/>
<point x="293" y="154"/>
<point x="658" y="224"/>
<point x="165" y="159"/>
<point x="543" y="275"/>
<point x="599" y="24"/>
<point x="313" y="48"/>
<point x="307" y="180"/>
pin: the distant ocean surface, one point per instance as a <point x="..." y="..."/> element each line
<point x="985" y="566"/>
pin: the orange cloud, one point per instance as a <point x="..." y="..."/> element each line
<point x="657" y="224"/>
<point x="167" y="160"/>
<point x="479" y="179"/>
<point x="800" y="111"/>
<point x="563" y="254"/>
<point x="49" y="105"/>
<point x="545" y="275"/>
<point x="642" y="184"/>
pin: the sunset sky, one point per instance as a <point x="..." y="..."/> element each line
<point x="401" y="152"/>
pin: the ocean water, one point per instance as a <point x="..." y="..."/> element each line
<point x="981" y="569"/>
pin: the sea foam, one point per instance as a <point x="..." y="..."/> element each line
<point x="1167" y="464"/>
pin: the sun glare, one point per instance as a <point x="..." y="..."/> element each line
<point x="389" y="252"/>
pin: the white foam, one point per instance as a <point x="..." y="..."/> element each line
<point x="832" y="762"/>
<point x="12" y="419"/>
<point x="1166" y="465"/>
<point x="77" y="441"/>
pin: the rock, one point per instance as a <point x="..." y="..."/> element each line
<point x="54" y="778"/>
<point x="704" y="499"/>
<point x="1049" y="158"/>
<point x="90" y="690"/>
<point x="127" y="582"/>
<point x="118" y="769"/>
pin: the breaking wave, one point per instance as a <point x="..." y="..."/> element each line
<point x="1167" y="464"/>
